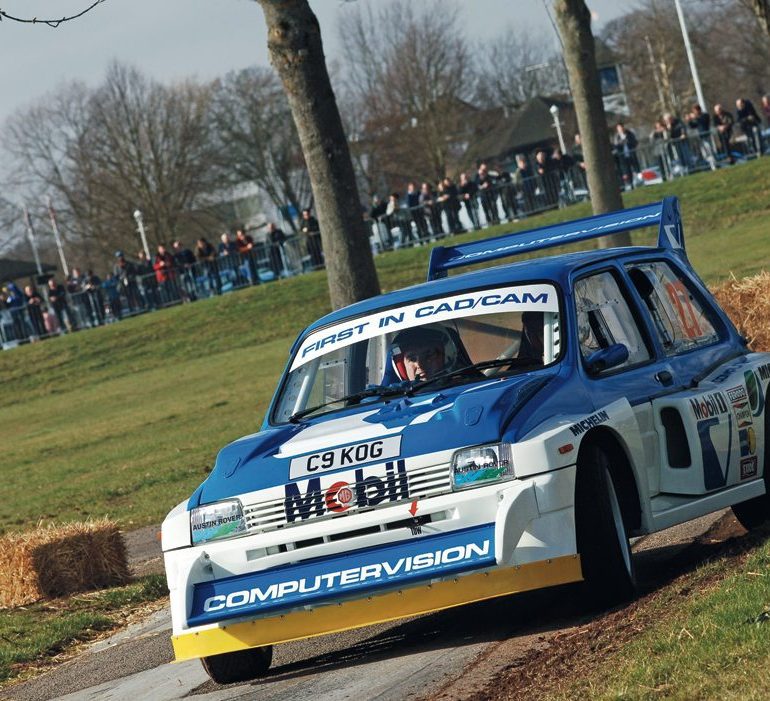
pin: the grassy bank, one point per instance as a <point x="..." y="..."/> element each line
<point x="125" y="420"/>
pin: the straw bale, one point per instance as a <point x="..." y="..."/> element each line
<point x="747" y="303"/>
<point x="56" y="560"/>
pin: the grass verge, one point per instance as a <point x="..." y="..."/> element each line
<point x="125" y="420"/>
<point x="35" y="636"/>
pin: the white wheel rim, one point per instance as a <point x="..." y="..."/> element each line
<point x="617" y="519"/>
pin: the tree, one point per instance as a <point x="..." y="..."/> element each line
<point x="574" y="21"/>
<point x="517" y="66"/>
<point x="256" y="137"/>
<point x="761" y="10"/>
<point x="409" y="68"/>
<point x="296" y="52"/>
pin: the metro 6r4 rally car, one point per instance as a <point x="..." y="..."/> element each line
<point x="474" y="436"/>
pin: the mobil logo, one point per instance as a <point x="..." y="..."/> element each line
<point x="709" y="405"/>
<point x="368" y="487"/>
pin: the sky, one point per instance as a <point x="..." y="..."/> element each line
<point x="174" y="39"/>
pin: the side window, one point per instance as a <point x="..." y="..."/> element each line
<point x="679" y="318"/>
<point x="604" y="318"/>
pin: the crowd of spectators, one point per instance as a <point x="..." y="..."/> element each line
<point x="536" y="181"/>
<point x="140" y="284"/>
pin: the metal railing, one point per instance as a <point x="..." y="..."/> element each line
<point x="509" y="199"/>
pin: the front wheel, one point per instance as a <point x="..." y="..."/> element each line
<point x="602" y="536"/>
<point x="240" y="666"/>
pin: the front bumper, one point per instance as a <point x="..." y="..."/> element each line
<point x="472" y="545"/>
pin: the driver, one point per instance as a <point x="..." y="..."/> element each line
<point x="419" y="353"/>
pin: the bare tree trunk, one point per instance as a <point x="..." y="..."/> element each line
<point x="296" y="52"/>
<point x="761" y="9"/>
<point x="574" y="21"/>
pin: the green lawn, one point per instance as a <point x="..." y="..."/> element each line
<point x="125" y="420"/>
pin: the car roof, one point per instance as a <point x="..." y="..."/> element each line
<point x="555" y="269"/>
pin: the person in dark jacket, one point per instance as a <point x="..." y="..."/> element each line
<point x="207" y="258"/>
<point x="125" y="273"/>
<point x="723" y="121"/>
<point x="468" y="192"/>
<point x="57" y="298"/>
<point x="276" y="239"/>
<point x="165" y="274"/>
<point x="487" y="194"/>
<point x="750" y="123"/>
<point x="310" y="228"/>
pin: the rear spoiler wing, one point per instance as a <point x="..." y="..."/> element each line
<point x="664" y="214"/>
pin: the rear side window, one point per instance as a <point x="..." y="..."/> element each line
<point x="604" y="319"/>
<point x="680" y="320"/>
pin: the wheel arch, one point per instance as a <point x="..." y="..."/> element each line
<point x="623" y="473"/>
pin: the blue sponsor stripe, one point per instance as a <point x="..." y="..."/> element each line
<point x="326" y="578"/>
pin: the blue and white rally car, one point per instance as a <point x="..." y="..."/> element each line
<point x="470" y="437"/>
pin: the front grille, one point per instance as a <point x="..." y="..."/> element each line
<point x="422" y="483"/>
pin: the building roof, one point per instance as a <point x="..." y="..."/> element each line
<point x="12" y="269"/>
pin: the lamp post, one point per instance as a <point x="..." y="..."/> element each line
<point x="555" y="112"/>
<point x="140" y="228"/>
<point x="690" y="57"/>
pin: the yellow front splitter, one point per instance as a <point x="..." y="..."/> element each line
<point x="377" y="608"/>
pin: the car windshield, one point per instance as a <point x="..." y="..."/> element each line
<point x="429" y="344"/>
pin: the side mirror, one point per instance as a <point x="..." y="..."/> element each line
<point x="606" y="358"/>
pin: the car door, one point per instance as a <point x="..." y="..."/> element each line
<point x="706" y="429"/>
<point x="606" y="313"/>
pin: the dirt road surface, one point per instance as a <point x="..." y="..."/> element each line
<point x="446" y="655"/>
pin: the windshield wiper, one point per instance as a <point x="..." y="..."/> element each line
<point x="473" y="367"/>
<point x="356" y="397"/>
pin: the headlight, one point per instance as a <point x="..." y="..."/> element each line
<point x="224" y="519"/>
<point x="485" y="464"/>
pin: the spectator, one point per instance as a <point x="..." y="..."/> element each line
<point x="149" y="282"/>
<point x="700" y="121"/>
<point x="244" y="244"/>
<point x="507" y="191"/>
<point x="92" y="285"/>
<point x="207" y="256"/>
<point x="16" y="303"/>
<point x="377" y="214"/>
<point x="228" y="254"/>
<point x="165" y="274"/>
<point x="624" y="144"/>
<point x="57" y="298"/>
<point x="658" y="138"/>
<point x="35" y="310"/>
<point x="750" y="124"/>
<point x="431" y="208"/>
<point x="276" y="239"/>
<point x="564" y="165"/>
<point x="546" y="172"/>
<point x="111" y="286"/>
<point x="184" y="262"/>
<point x="125" y="273"/>
<point x="312" y="232"/>
<point x="468" y="191"/>
<point x="78" y="296"/>
<point x="677" y="136"/>
<point x="452" y="204"/>
<point x="723" y="121"/>
<point x="395" y="219"/>
<point x="525" y="182"/>
<point x="416" y="213"/>
<point x="580" y="163"/>
<point x="487" y="194"/>
<point x="766" y="109"/>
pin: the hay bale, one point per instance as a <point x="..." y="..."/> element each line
<point x="58" y="560"/>
<point x="747" y="303"/>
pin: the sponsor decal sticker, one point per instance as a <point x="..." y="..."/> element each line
<point x="748" y="467"/>
<point x="589" y="422"/>
<point x="347" y="456"/>
<point x="748" y="440"/>
<point x="360" y="571"/>
<point x="737" y="394"/>
<point x="764" y="371"/>
<point x="368" y="487"/>
<point x="742" y="412"/>
<point x="519" y="298"/>
<point x="708" y="405"/>
<point x="756" y="398"/>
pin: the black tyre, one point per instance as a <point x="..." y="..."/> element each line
<point x="602" y="534"/>
<point x="241" y="666"/>
<point x="755" y="512"/>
